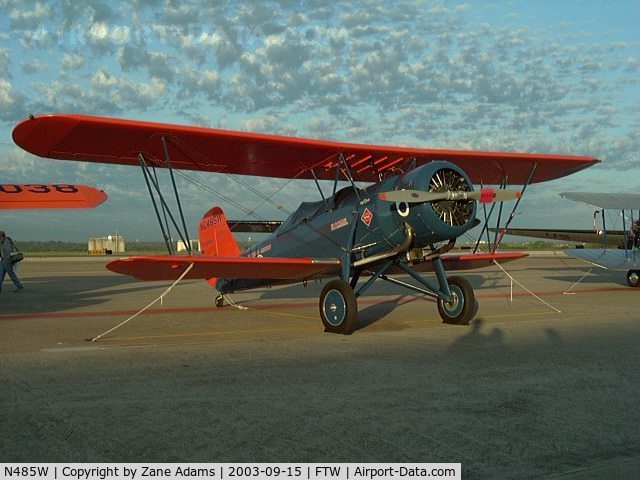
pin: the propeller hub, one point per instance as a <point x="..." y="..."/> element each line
<point x="455" y="210"/>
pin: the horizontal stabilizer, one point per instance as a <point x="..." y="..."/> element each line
<point x="171" y="267"/>
<point x="253" y="226"/>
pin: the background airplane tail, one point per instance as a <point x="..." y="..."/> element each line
<point x="216" y="237"/>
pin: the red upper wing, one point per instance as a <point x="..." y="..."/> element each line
<point x="170" y="267"/>
<point x="110" y="140"/>
<point x="33" y="195"/>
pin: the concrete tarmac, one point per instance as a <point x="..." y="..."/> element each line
<point x="542" y="387"/>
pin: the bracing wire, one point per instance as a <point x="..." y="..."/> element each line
<point x="247" y="211"/>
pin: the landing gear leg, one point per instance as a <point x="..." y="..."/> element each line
<point x="456" y="301"/>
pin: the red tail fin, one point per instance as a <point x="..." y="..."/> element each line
<point x="215" y="236"/>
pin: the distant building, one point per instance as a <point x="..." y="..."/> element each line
<point x="106" y="245"/>
<point x="181" y="247"/>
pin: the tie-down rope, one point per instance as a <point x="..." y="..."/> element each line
<point x="162" y="295"/>
<point x="568" y="290"/>
<point x="525" y="288"/>
<point x="227" y="297"/>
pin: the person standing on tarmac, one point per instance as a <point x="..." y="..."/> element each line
<point x="6" y="267"/>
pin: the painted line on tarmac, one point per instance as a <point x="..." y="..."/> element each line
<point x="103" y="345"/>
<point x="488" y="317"/>
<point x="104" y="313"/>
<point x="266" y="308"/>
<point x="219" y="333"/>
<point x="95" y="349"/>
<point x="278" y="330"/>
<point x="107" y="346"/>
<point x="72" y="349"/>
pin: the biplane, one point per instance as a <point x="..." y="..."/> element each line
<point x="415" y="204"/>
<point x="599" y="235"/>
<point x="15" y="196"/>
<point x="624" y="256"/>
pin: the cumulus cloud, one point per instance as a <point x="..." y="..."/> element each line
<point x="34" y="66"/>
<point x="104" y="38"/>
<point x="434" y="75"/>
<point x="205" y="82"/>
<point x="633" y="64"/>
<point x="31" y="17"/>
<point x="11" y="101"/>
<point x="73" y="61"/>
<point x="4" y="62"/>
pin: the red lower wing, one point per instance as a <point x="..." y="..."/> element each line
<point x="471" y="261"/>
<point x="171" y="267"/>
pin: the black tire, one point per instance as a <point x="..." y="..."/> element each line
<point x="633" y="278"/>
<point x="338" y="307"/>
<point x="220" y="301"/>
<point x="461" y="309"/>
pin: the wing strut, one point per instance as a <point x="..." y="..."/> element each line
<point x="501" y="231"/>
<point x="175" y="191"/>
<point x="604" y="230"/>
<point x="315" y="179"/>
<point x="149" y="179"/>
<point x="347" y="174"/>
<point x="515" y="207"/>
<point x="147" y="176"/>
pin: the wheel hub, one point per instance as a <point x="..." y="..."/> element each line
<point x="453" y="303"/>
<point x="334" y="307"/>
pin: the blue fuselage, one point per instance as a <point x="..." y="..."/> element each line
<point x="359" y="222"/>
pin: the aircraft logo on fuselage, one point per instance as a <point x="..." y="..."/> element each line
<point x="367" y="217"/>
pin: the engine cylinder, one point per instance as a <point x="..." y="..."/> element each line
<point x="439" y="220"/>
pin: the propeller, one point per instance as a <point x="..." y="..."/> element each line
<point x="484" y="195"/>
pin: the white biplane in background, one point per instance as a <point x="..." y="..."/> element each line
<point x="625" y="254"/>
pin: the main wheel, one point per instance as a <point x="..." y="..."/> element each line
<point x="338" y="307"/>
<point x="460" y="309"/>
<point x="633" y="278"/>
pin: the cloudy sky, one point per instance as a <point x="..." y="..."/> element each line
<point x="544" y="76"/>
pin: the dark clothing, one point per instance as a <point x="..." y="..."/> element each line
<point x="6" y="267"/>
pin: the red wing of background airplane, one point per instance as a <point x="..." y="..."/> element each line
<point x="42" y="196"/>
<point x="420" y="201"/>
